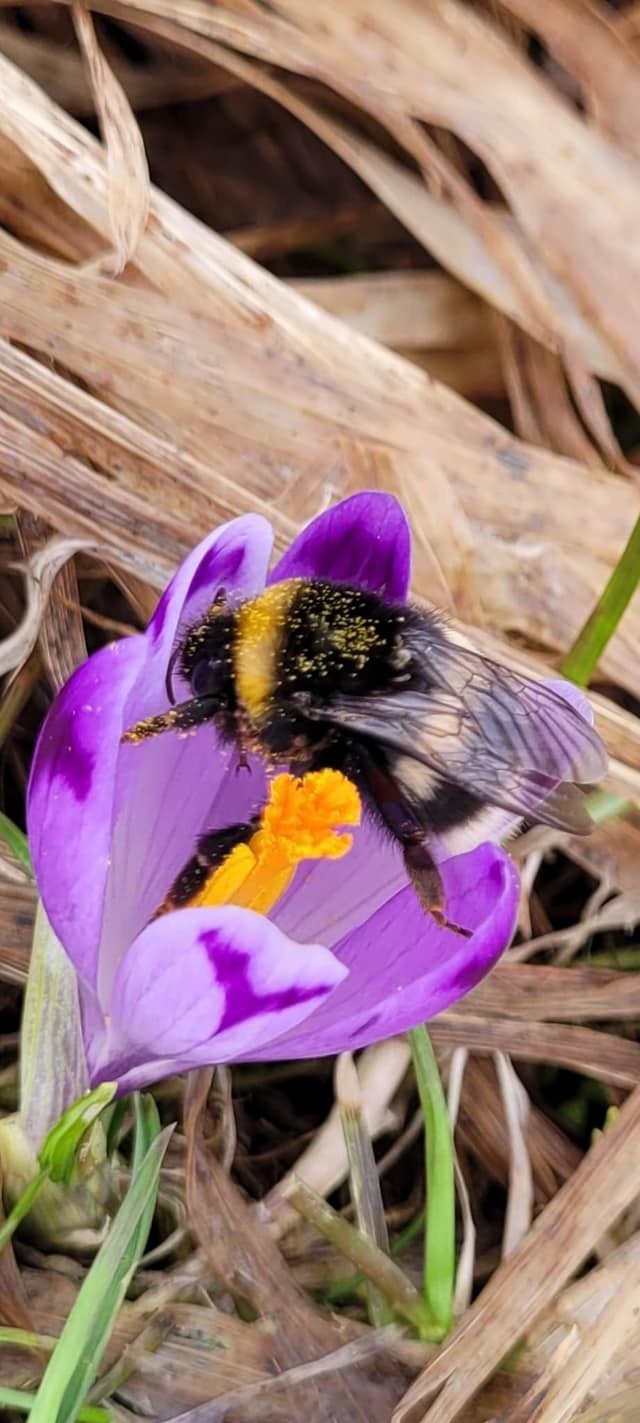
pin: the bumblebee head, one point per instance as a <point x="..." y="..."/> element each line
<point x="202" y="660"/>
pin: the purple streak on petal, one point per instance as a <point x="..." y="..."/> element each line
<point x="235" y="551"/>
<point x="160" y="614"/>
<point x="179" y="998"/>
<point x="75" y="733"/>
<point x="69" y="806"/>
<point x="234" y="557"/>
<point x="363" y="540"/>
<point x="219" y="571"/>
<point x="403" y="968"/>
<point x="232" y="973"/>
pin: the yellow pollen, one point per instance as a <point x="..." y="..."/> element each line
<point x="302" y="814"/>
<point x="298" y="823"/>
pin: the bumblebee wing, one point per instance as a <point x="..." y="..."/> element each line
<point x="514" y="743"/>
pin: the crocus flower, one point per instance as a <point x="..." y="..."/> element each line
<point x="337" y="952"/>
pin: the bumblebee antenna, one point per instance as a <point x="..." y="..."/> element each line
<point x="184" y="717"/>
<point x="168" y="681"/>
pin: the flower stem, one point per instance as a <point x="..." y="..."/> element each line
<point x="583" y="658"/>
<point x="439" y="1245"/>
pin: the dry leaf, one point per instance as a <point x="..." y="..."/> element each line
<point x="128" y="172"/>
<point x="602" y="1187"/>
<point x="516" y="1104"/>
<point x="587" y="40"/>
<point x="41" y="570"/>
<point x="244" y="1257"/>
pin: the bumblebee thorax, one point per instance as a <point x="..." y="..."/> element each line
<point x="259" y="633"/>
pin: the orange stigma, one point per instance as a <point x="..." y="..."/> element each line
<point x="299" y="822"/>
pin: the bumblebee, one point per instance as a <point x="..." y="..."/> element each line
<point x="444" y="745"/>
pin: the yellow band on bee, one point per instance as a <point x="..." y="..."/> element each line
<point x="260" y="629"/>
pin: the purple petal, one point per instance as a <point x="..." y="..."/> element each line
<point x="403" y="969"/>
<point x="202" y="986"/>
<point x="70" y="797"/>
<point x="364" y="540"/>
<point x="168" y="789"/>
<point x="330" y="898"/>
<point x="169" y="793"/>
<point x="234" y="557"/>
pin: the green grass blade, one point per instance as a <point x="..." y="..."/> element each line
<point x="22" y="1402"/>
<point x="147" y="1127"/>
<point x="16" y="840"/>
<point x="26" y="1339"/>
<point x="76" y="1358"/>
<point x="582" y="660"/>
<point x="440" y="1254"/>
<point x="22" y="1207"/>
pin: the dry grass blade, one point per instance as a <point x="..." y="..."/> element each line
<point x="243" y="1255"/>
<point x="604" y="1185"/>
<point x="601" y="1055"/>
<point x="411" y="310"/>
<point x="463" y="1291"/>
<point x="620" y="912"/>
<point x="519" y="1211"/>
<point x="62" y="73"/>
<point x="17" y="912"/>
<point x="324" y="1164"/>
<point x="620" y="1408"/>
<point x="545" y="992"/>
<point x="41" y="570"/>
<point x="553" y="1156"/>
<point x="586" y="39"/>
<point x="491" y="261"/>
<point x="540" y="404"/>
<point x="502" y="110"/>
<point x="356" y="1352"/>
<point x="14" y="1305"/>
<point x="128" y="173"/>
<point x="425" y="316"/>
<point x="522" y="1383"/>
<point x="61" y="639"/>
<point x="587" y="1354"/>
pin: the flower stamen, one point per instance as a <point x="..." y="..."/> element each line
<point x="299" y="822"/>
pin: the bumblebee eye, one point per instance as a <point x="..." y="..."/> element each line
<point x="207" y="677"/>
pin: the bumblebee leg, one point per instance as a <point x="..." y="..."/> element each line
<point x="420" y="864"/>
<point x="184" y="717"/>
<point x="212" y="849"/>
<point x="427" y="882"/>
<point x="243" y="743"/>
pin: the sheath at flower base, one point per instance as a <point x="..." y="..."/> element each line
<point x="345" y="955"/>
